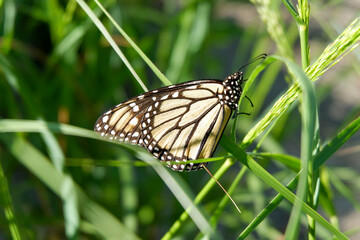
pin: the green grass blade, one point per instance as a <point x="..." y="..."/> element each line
<point x="327" y="197"/>
<point x="272" y="17"/>
<point x="70" y="206"/>
<point x="258" y="69"/>
<point x="344" y="44"/>
<point x="331" y="147"/>
<point x="8" y="25"/>
<point x="309" y="118"/>
<point x="225" y="200"/>
<point x="6" y="204"/>
<point x="183" y="195"/>
<point x="347" y="192"/>
<point x="37" y="126"/>
<point x="51" y="143"/>
<point x="304" y="12"/>
<point x="270" y="180"/>
<point x="201" y="195"/>
<point x="319" y="159"/>
<point x="68" y="73"/>
<point x="193" y="26"/>
<point x="347" y="41"/>
<point x="108" y="37"/>
<point x="18" y="125"/>
<point x="105" y="223"/>
<point x="290" y="161"/>
<point x="129" y="194"/>
<point x="179" y="189"/>
<point x="292" y="11"/>
<point x="273" y="204"/>
<point x="158" y="73"/>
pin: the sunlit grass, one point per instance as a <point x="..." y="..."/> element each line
<point x="94" y="56"/>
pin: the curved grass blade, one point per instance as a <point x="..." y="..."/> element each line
<point x="269" y="179"/>
<point x="103" y="221"/>
<point x="158" y="73"/>
<point x="319" y="159"/>
<point x="178" y="187"/>
<point x="108" y="37"/>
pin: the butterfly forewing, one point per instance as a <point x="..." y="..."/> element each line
<point x="175" y="123"/>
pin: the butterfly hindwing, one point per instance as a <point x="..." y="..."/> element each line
<point x="176" y="123"/>
<point x="183" y="124"/>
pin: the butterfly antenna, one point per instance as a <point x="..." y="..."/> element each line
<point x="237" y="208"/>
<point x="252" y="105"/>
<point x="261" y="56"/>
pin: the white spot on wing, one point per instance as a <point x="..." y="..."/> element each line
<point x="136" y="108"/>
<point x="135" y="134"/>
<point x="105" y="118"/>
<point x="134" y="121"/>
<point x="175" y="95"/>
<point x="164" y="97"/>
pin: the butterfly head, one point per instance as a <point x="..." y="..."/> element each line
<point x="233" y="90"/>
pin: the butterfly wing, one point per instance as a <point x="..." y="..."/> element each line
<point x="175" y="123"/>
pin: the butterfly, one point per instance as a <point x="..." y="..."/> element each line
<point x="176" y="123"/>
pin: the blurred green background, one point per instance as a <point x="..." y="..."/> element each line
<point x="56" y="66"/>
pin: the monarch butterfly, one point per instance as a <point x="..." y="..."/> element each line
<point x="178" y="123"/>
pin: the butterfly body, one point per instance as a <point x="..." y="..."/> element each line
<point x="177" y="123"/>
